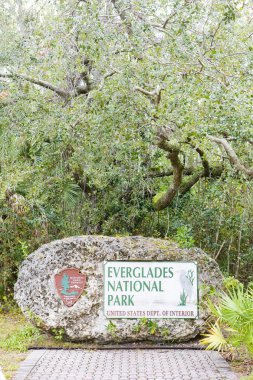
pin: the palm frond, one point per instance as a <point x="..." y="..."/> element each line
<point x="215" y="339"/>
<point x="70" y="194"/>
<point x="235" y="313"/>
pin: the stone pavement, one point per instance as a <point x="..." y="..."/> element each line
<point x="125" y="364"/>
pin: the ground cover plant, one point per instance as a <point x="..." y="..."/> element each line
<point x="232" y="330"/>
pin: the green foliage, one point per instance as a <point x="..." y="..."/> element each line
<point x="152" y="327"/>
<point x="142" y="324"/>
<point x="8" y="305"/>
<point x="20" y="340"/>
<point x="234" y="314"/>
<point x="231" y="283"/>
<point x="111" y="328"/>
<point x="184" y="237"/>
<point x="146" y="324"/>
<point x="58" y="333"/>
<point x="207" y="292"/>
<point x="157" y="197"/>
<point x="24" y="248"/>
<point x="215" y="339"/>
<point x="34" y="319"/>
<point x="165" y="332"/>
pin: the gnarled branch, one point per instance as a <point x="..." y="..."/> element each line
<point x="232" y="156"/>
<point x="179" y="186"/>
<point x="168" y="173"/>
<point x="39" y="82"/>
<point x="83" y="87"/>
<point x="173" y="155"/>
<point x="155" y="95"/>
<point x="204" y="161"/>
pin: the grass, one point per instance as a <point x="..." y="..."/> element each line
<point x="10" y="358"/>
<point x="17" y="336"/>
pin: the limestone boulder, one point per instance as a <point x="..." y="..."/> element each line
<point x="36" y="293"/>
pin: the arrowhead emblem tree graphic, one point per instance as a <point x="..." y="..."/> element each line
<point x="70" y="284"/>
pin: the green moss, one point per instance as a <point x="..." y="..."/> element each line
<point x="157" y="198"/>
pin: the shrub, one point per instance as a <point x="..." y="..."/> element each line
<point x="234" y="325"/>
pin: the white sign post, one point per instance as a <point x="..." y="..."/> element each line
<point x="150" y="289"/>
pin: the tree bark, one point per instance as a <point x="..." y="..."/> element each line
<point x="167" y="197"/>
<point x="232" y="156"/>
<point x="178" y="185"/>
<point x="64" y="94"/>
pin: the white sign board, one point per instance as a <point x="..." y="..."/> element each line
<point x="150" y="289"/>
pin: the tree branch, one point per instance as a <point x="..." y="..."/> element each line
<point x="178" y="185"/>
<point x="123" y="16"/>
<point x="187" y="185"/>
<point x="202" y="156"/>
<point x="108" y="75"/>
<point x="164" y="142"/>
<point x="64" y="94"/>
<point x="204" y="161"/>
<point x="168" y="173"/>
<point x="155" y="95"/>
<point x="168" y="19"/>
<point x="167" y="197"/>
<point x="83" y="87"/>
<point x="232" y="156"/>
<point x="215" y="172"/>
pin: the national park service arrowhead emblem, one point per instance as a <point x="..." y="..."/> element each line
<point x="69" y="284"/>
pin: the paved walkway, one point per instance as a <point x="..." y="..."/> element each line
<point x="124" y="364"/>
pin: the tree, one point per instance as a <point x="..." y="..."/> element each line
<point x="107" y="105"/>
<point x="187" y="51"/>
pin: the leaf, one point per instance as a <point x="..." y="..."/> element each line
<point x="215" y="339"/>
<point x="71" y="194"/>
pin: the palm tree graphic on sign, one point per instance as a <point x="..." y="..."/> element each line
<point x="65" y="286"/>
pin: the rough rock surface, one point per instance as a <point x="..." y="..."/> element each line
<point x="36" y="294"/>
